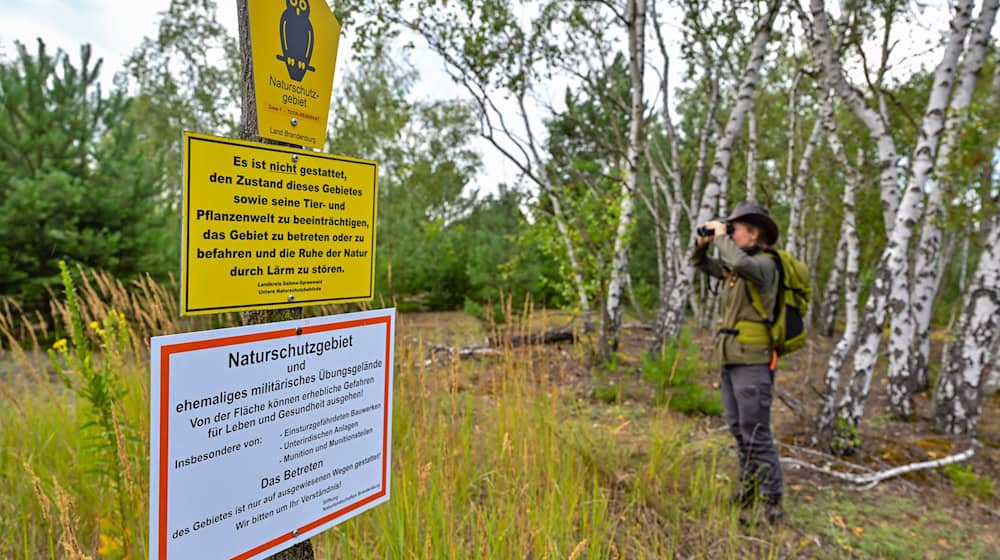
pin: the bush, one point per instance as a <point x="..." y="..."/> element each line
<point x="674" y="376"/>
<point x="969" y="485"/>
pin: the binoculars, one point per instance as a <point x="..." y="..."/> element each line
<point x="705" y="232"/>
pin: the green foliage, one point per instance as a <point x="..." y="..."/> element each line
<point x="438" y="244"/>
<point x="74" y="182"/>
<point x="892" y="527"/>
<point x="846" y="437"/>
<point x="674" y="376"/>
<point x="92" y="372"/>
<point x="970" y="485"/>
<point x="186" y="77"/>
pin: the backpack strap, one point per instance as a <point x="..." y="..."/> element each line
<point x="753" y="294"/>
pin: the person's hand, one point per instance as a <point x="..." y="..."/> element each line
<point x="717" y="226"/>
<point x="712" y="225"/>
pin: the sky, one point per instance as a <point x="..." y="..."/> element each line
<point x="114" y="28"/>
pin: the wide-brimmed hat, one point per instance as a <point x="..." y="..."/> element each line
<point x="759" y="216"/>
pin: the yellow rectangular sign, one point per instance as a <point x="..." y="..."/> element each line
<point x="270" y="227"/>
<point x="293" y="44"/>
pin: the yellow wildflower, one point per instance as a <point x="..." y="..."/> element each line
<point x="59" y="344"/>
<point x="94" y="325"/>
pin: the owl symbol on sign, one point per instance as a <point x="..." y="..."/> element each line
<point x="297" y="39"/>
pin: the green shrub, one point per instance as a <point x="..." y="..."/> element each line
<point x="846" y="437"/>
<point x="970" y="485"/>
<point x="674" y="376"/>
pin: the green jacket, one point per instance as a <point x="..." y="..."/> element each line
<point x="737" y="267"/>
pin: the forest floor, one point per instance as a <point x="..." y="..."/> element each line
<point x="948" y="512"/>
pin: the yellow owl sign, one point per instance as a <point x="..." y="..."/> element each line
<point x="294" y="46"/>
<point x="270" y="227"/>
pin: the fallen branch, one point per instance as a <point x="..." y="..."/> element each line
<point x="463" y="352"/>
<point x="826" y="457"/>
<point x="876" y="477"/>
<point x="565" y="334"/>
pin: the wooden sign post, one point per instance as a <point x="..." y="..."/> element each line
<point x="250" y="130"/>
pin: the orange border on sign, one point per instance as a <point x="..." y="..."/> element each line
<point x="170" y="349"/>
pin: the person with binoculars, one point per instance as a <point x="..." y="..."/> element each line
<point x="747" y="360"/>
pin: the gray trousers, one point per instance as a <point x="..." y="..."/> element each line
<point x="746" y="395"/>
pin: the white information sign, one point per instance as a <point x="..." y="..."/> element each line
<point x="264" y="435"/>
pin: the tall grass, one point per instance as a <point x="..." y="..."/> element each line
<point x="491" y="459"/>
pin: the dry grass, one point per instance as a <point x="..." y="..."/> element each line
<point x="492" y="458"/>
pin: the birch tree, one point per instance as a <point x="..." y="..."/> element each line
<point x="797" y="184"/>
<point x="927" y="269"/>
<point x="874" y="119"/>
<point x="958" y="394"/>
<point x="893" y="262"/>
<point x="635" y="23"/>
<point x="666" y="178"/>
<point x="851" y="244"/>
<point x="902" y="332"/>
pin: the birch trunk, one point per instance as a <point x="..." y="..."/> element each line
<point x="619" y="269"/>
<point x="830" y="303"/>
<point x="574" y="262"/>
<point x="670" y="247"/>
<point x="704" y="137"/>
<point x="674" y="316"/>
<point x="793" y="134"/>
<point x="797" y="194"/>
<point x="993" y="377"/>
<point x="963" y="268"/>
<point x="877" y="124"/>
<point x="927" y="271"/>
<point x="851" y="243"/>
<point x="958" y="395"/>
<point x="902" y="335"/>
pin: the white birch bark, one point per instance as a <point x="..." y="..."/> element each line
<point x="958" y="395"/>
<point x="619" y="269"/>
<point x="893" y="262"/>
<point x="669" y="247"/>
<point x="720" y="167"/>
<point x="877" y="124"/>
<point x="793" y="134"/>
<point x="849" y="238"/>
<point x="797" y="194"/>
<point x="901" y="338"/>
<point x="927" y="271"/>
<point x="993" y="378"/>
<point x="704" y="137"/>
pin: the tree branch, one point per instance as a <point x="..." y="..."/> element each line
<point x="876" y="477"/>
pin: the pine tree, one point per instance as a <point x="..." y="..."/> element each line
<point x="74" y="185"/>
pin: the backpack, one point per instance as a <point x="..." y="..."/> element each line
<point x="788" y="330"/>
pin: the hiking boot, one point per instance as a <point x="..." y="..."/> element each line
<point x="744" y="497"/>
<point x="773" y="513"/>
<point x="745" y="518"/>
